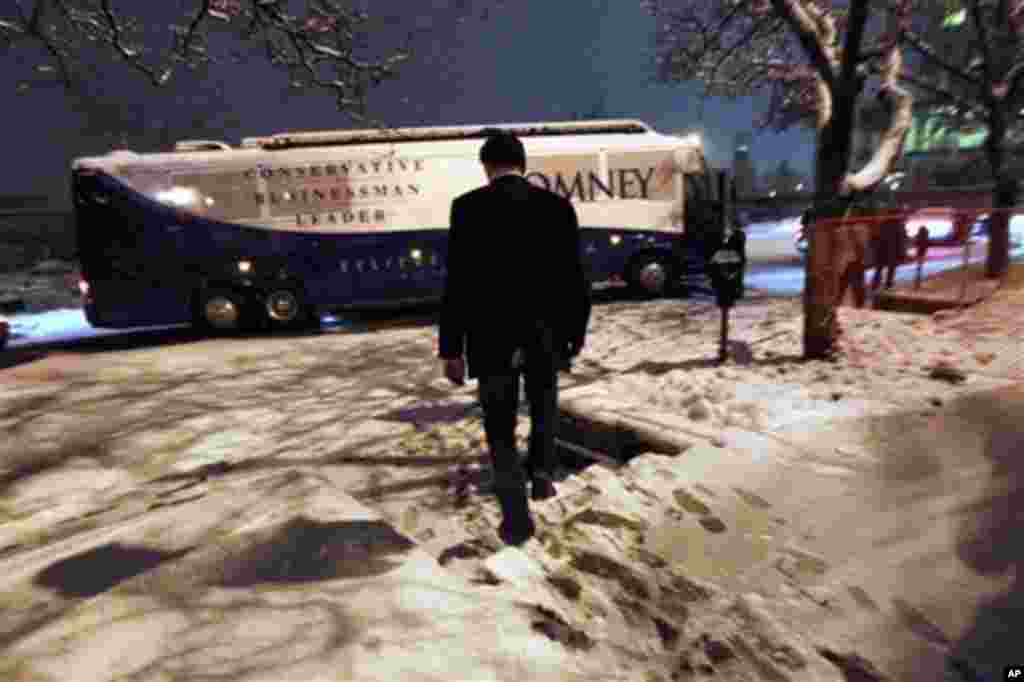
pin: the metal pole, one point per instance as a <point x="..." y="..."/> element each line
<point x="723" y="339"/>
<point x="963" y="279"/>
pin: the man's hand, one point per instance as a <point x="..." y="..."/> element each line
<point x="455" y="370"/>
<point x="569" y="351"/>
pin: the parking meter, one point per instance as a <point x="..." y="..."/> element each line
<point x="726" y="268"/>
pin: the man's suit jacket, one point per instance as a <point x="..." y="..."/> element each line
<point x="514" y="269"/>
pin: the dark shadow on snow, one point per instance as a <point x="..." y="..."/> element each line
<point x="991" y="541"/>
<point x="422" y="415"/>
<point x="306" y="550"/>
<point x="97" y="570"/>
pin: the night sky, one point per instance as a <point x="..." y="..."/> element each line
<point x="529" y="61"/>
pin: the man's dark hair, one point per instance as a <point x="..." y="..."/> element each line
<point x="503" y="150"/>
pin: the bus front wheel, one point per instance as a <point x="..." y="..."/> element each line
<point x="284" y="309"/>
<point x="220" y="310"/>
<point x="650" y="276"/>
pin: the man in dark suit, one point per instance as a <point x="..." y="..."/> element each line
<point x="516" y="302"/>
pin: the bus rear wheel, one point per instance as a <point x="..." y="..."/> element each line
<point x="650" y="276"/>
<point x="284" y="309"/>
<point x="221" y="310"/>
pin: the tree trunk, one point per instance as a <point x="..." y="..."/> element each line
<point x="821" y="326"/>
<point x="1004" y="198"/>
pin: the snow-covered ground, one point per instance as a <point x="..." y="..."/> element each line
<point x="53" y="325"/>
<point x="817" y="509"/>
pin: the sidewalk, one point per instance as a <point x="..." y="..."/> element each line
<point x="943" y="291"/>
<point x="267" y="577"/>
<point x="209" y="513"/>
<point x="874" y="503"/>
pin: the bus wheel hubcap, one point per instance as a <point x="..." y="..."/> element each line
<point x="282" y="306"/>
<point x="221" y="312"/>
<point x="652" y="277"/>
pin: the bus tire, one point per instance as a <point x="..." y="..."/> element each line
<point x="650" y="275"/>
<point x="284" y="307"/>
<point x="221" y="310"/>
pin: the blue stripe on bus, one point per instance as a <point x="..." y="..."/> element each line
<point x="168" y="257"/>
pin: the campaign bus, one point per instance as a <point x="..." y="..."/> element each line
<point x="283" y="228"/>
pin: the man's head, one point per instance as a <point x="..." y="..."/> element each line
<point x="502" y="152"/>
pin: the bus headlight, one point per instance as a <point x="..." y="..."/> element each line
<point x="178" y="196"/>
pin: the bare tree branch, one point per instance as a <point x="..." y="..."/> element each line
<point x="192" y="31"/>
<point x="132" y="56"/>
<point x="1015" y="78"/>
<point x="868" y="56"/>
<point x="35" y="27"/>
<point x="932" y="56"/>
<point x="941" y="94"/>
<point x="974" y="8"/>
<point x="813" y="34"/>
<point x="854" y="38"/>
<point x="743" y="42"/>
<point x="892" y="140"/>
<point x="325" y="47"/>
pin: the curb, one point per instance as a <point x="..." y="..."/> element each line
<point x="927" y="302"/>
<point x="614" y="428"/>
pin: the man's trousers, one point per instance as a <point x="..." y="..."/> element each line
<point x="499" y="398"/>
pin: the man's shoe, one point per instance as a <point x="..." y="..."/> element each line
<point x="542" y="489"/>
<point x="516" y="533"/>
